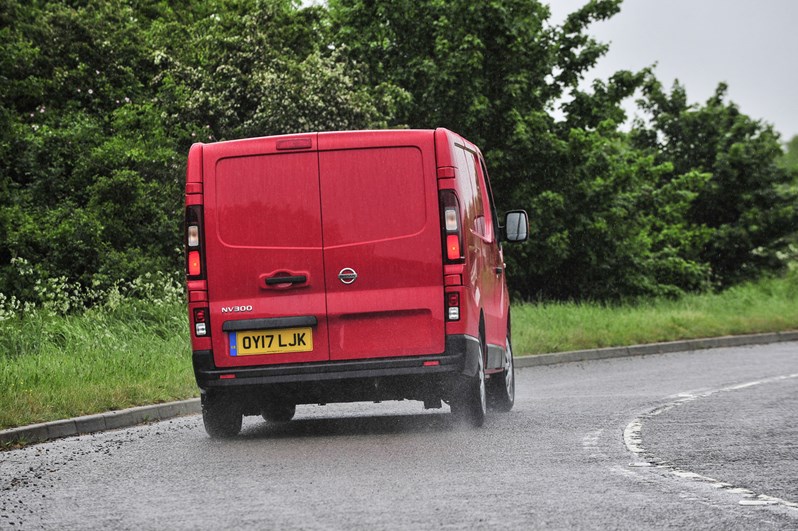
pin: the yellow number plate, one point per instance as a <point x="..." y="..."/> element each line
<point x="279" y="341"/>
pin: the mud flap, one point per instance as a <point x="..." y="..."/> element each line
<point x="469" y="346"/>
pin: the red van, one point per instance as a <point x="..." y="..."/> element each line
<point x="346" y="266"/>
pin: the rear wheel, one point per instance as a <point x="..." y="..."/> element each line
<point x="221" y="416"/>
<point x="278" y="412"/>
<point x="501" y="391"/>
<point x="470" y="404"/>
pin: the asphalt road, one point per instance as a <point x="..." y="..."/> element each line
<point x="697" y="440"/>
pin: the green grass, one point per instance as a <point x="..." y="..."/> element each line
<point x="766" y="306"/>
<point x="55" y="367"/>
<point x="138" y="353"/>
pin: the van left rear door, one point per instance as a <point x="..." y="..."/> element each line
<point x="264" y="257"/>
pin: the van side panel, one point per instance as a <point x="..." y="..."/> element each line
<point x="470" y="211"/>
<point x="493" y="284"/>
<point x="484" y="290"/>
<point x="380" y="219"/>
<point x="484" y="264"/>
<point x="263" y="220"/>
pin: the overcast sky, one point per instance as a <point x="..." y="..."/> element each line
<point x="751" y="45"/>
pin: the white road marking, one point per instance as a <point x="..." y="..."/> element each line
<point x="632" y="437"/>
<point x="590" y="443"/>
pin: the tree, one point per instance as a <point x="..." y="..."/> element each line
<point x="790" y="158"/>
<point x="476" y="67"/>
<point x="748" y="205"/>
<point x="256" y="68"/>
<point x="101" y="101"/>
<point x="90" y="168"/>
<point x="607" y="220"/>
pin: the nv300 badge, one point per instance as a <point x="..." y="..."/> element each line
<point x="231" y="309"/>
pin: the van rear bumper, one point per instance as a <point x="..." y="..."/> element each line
<point x="461" y="357"/>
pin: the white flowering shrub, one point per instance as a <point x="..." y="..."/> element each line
<point x="160" y="289"/>
<point x="59" y="296"/>
<point x="9" y="307"/>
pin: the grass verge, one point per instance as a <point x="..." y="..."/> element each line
<point x="769" y="305"/>
<point x="136" y="353"/>
<point x="54" y="367"/>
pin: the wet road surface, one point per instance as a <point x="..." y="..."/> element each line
<point x="699" y="440"/>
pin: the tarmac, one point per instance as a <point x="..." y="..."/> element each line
<point x="138" y="415"/>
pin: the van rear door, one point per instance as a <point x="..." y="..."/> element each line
<point x="382" y="246"/>
<point x="265" y="264"/>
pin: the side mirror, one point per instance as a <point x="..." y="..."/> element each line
<point x="516" y="226"/>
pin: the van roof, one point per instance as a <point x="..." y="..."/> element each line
<point x="329" y="140"/>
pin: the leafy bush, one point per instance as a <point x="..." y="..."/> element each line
<point x="748" y="206"/>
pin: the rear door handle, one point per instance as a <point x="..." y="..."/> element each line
<point x="284" y="279"/>
<point x="499" y="270"/>
<point x="295" y="279"/>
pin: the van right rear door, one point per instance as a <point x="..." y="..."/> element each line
<point x="382" y="244"/>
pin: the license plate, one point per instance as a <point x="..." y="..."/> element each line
<point x="278" y="341"/>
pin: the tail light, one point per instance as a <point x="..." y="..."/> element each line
<point x="194" y="264"/>
<point x="450" y="224"/>
<point x="195" y="259"/>
<point x="201" y="322"/>
<point x="452" y="306"/>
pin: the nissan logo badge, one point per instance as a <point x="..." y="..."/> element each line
<point x="347" y="275"/>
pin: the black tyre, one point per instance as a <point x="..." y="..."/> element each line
<point x="278" y="412"/>
<point x="501" y="388"/>
<point x="221" y="416"/>
<point x="470" y="403"/>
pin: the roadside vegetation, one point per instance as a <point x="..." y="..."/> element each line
<point x="769" y="305"/>
<point x="690" y="210"/>
<point x="133" y="349"/>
